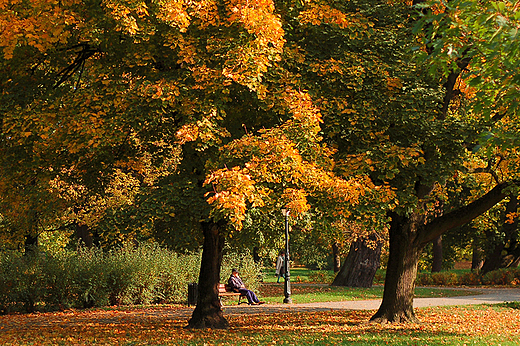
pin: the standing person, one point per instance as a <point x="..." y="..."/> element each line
<point x="236" y="283"/>
<point x="280" y="265"/>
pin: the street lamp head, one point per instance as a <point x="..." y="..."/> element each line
<point x="286" y="211"/>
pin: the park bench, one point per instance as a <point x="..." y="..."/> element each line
<point x="226" y="291"/>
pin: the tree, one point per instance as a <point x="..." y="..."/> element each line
<point x="492" y="75"/>
<point x="90" y="88"/>
<point x="361" y="263"/>
<point x="393" y="122"/>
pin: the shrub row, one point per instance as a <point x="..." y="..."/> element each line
<point x="507" y="276"/>
<point x="85" y="278"/>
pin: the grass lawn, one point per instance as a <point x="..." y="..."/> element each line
<point x="308" y="293"/>
<point x="473" y="325"/>
<point x="302" y="290"/>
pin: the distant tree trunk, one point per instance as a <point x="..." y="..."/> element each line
<point x="208" y="312"/>
<point x="507" y="252"/>
<point x="361" y="264"/>
<point x="256" y="256"/>
<point x="437" y="255"/>
<point x="30" y="243"/>
<point x="476" y="257"/>
<point x="82" y="233"/>
<point x="336" y="257"/>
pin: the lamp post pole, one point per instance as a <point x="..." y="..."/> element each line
<point x="287" y="282"/>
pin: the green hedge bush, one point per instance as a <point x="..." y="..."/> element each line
<point x="506" y="276"/>
<point x="85" y="278"/>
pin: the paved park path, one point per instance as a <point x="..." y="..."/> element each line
<point x="480" y="296"/>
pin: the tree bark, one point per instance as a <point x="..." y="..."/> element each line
<point x="31" y="242"/>
<point x="336" y="258"/>
<point x="476" y="257"/>
<point x="507" y="251"/>
<point x="408" y="236"/>
<point x="208" y="312"/>
<point x="82" y="233"/>
<point x="361" y="264"/>
<point x="437" y="255"/>
<point x="397" y="304"/>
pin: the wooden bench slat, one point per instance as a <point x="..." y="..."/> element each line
<point x="223" y="292"/>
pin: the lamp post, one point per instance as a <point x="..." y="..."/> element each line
<point x="287" y="282"/>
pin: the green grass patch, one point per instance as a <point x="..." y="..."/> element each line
<point x="301" y="274"/>
<point x="307" y="293"/>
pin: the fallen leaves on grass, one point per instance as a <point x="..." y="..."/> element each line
<point x="164" y="326"/>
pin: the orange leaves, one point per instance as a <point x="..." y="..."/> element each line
<point x="276" y="174"/>
<point x="301" y="105"/>
<point x="246" y="64"/>
<point x="318" y="13"/>
<point x="164" y="325"/>
<point x="394" y="83"/>
<point x="233" y="189"/>
<point x="174" y="13"/>
<point x="187" y="133"/>
<point x="295" y="200"/>
<point x="39" y="24"/>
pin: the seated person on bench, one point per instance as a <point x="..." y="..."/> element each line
<point x="236" y="284"/>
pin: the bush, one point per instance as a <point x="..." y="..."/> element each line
<point x="470" y="279"/>
<point x="505" y="276"/>
<point x="444" y="279"/>
<point x="89" y="270"/>
<point x="437" y="279"/>
<point x="59" y="289"/>
<point x="250" y="271"/>
<point x="90" y="277"/>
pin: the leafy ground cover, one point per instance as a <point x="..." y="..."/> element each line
<point x="472" y="325"/>
<point x="273" y="293"/>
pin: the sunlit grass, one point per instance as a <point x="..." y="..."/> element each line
<point x="316" y="293"/>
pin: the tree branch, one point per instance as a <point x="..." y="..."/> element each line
<point x="463" y="215"/>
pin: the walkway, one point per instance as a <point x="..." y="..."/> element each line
<point x="481" y="296"/>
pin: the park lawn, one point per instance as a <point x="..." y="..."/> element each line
<point x="469" y="325"/>
<point x="298" y="274"/>
<point x="308" y="293"/>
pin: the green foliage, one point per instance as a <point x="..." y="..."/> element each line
<point x="437" y="279"/>
<point x="507" y="276"/>
<point x="129" y="274"/>
<point x="249" y="271"/>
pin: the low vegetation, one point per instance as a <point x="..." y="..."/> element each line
<point x="144" y="274"/>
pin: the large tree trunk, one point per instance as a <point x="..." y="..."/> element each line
<point x="361" y="264"/>
<point x="397" y="304"/>
<point x="408" y="236"/>
<point x="208" y="312"/>
<point x="437" y="255"/>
